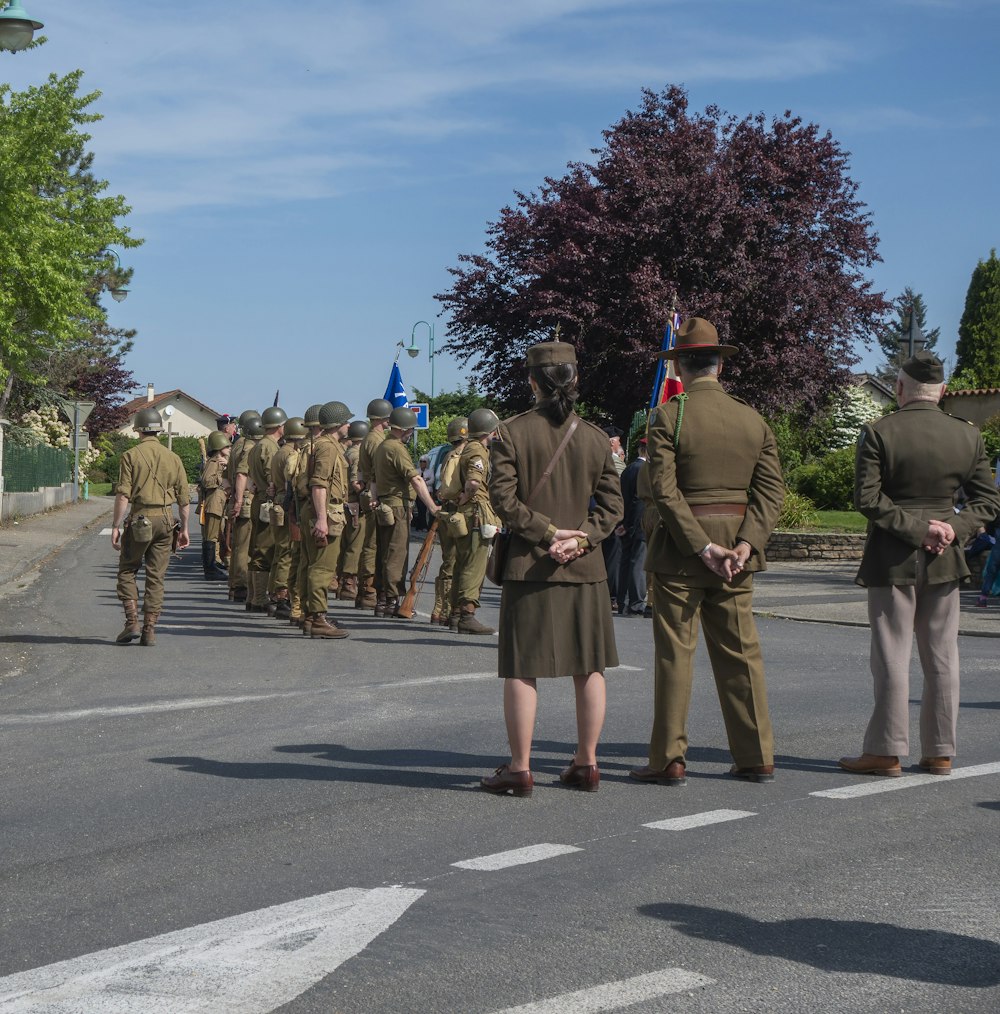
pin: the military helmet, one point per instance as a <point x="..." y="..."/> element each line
<point x="403" y="418"/>
<point x="254" y="428"/>
<point x="311" y="416"/>
<point x="295" y="429"/>
<point x="359" y="429"/>
<point x="458" y="430"/>
<point x="379" y="409"/>
<point x="272" y="417"/>
<point x="334" y="414"/>
<point x="217" y="440"/>
<point x="245" y="417"/>
<point x="482" y="421"/>
<point x="147" y="420"/>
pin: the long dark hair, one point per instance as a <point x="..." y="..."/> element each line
<point x="557" y="390"/>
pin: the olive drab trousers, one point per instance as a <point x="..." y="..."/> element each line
<point x="239" y="555"/>
<point x="321" y="562"/>
<point x="281" y="559"/>
<point x="471" y="553"/>
<point x="443" y="581"/>
<point x="352" y="545"/>
<point x="368" y="565"/>
<point x="734" y="650"/>
<point x="155" y="555"/>
<point x="394" y="552"/>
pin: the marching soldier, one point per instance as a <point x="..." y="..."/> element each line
<point x="261" y="535"/>
<point x="299" y="593"/>
<point x="151" y="481"/>
<point x="239" y="505"/>
<point x="354" y="534"/>
<point x="282" y="467"/>
<point x="369" y="567"/>
<point x="213" y="492"/>
<point x="324" y="518"/>
<point x="475" y="510"/>
<point x="448" y="492"/>
<point x="395" y="476"/>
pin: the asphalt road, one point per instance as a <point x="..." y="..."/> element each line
<point x="238" y="766"/>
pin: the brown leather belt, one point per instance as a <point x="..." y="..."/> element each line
<point x="730" y="510"/>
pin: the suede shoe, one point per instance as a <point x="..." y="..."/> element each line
<point x="674" y="773"/>
<point x="760" y="773"/>
<point x="935" y="765"/>
<point x="585" y="777"/>
<point x="519" y="783"/>
<point x="872" y="764"/>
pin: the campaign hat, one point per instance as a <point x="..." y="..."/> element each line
<point x="698" y="335"/>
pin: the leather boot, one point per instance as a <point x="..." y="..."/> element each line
<point x="334" y="585"/>
<point x="454" y="618"/>
<point x="348" y="588"/>
<point x="367" y="596"/>
<point x="282" y="607"/>
<point x="131" y="629"/>
<point x="321" y="627"/>
<point x="468" y="624"/>
<point x="213" y="572"/>
<point x="380" y="605"/>
<point x="391" y="606"/>
<point x="305" y="624"/>
<point x="148" y="638"/>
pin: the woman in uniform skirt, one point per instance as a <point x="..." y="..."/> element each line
<point x="555" y="612"/>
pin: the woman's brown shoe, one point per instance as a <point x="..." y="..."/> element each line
<point x="520" y="783"/>
<point x="585" y="777"/>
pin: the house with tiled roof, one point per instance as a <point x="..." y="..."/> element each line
<point x="183" y="415"/>
<point x="977" y="406"/>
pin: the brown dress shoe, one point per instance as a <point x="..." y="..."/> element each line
<point x="872" y="764"/>
<point x="519" y="783"/>
<point x="585" y="777"/>
<point x="935" y="765"/>
<point x="674" y="773"/>
<point x="760" y="773"/>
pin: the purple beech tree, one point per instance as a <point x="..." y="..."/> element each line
<point x="752" y="224"/>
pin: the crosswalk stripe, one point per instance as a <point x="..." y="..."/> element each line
<point x="699" y="820"/>
<point x="246" y="964"/>
<point x="612" y="996"/>
<point x="906" y="782"/>
<point x="516" y="857"/>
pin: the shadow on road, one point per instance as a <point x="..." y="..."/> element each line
<point x="841" y="945"/>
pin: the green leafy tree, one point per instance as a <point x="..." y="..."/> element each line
<point x="978" y="348"/>
<point x="56" y="225"/>
<point x="893" y="337"/>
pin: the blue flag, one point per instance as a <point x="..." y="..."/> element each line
<point x="395" y="392"/>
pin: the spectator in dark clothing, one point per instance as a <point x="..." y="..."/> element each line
<point x="632" y="573"/>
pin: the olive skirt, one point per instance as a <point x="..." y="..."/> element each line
<point x="549" y="629"/>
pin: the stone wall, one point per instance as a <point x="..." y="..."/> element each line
<point x="22" y="505"/>
<point x="814" y="546"/>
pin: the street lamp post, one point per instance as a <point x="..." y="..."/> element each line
<point x="16" y="28"/>
<point x="430" y="346"/>
<point x="117" y="293"/>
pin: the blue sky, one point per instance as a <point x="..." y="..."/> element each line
<point x="304" y="174"/>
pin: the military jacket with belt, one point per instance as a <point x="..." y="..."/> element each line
<point x="328" y="468"/>
<point x="908" y="469"/>
<point x="393" y="470"/>
<point x="353" y="457"/>
<point x="475" y="464"/>
<point x="723" y="454"/>
<point x="151" y="476"/>
<point x="366" y="455"/>
<point x="259" y="463"/>
<point x="583" y="493"/>
<point x="213" y="493"/>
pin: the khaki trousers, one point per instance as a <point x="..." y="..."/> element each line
<point x="442" y="583"/>
<point x="281" y="561"/>
<point x="322" y="563"/>
<point x="239" y="555"/>
<point x="155" y="555"/>
<point x="352" y="544"/>
<point x="896" y="613"/>
<point x="734" y="651"/>
<point x="368" y="565"/>
<point x="472" y="552"/>
<point x="394" y="554"/>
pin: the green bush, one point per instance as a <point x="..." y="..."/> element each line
<point x="828" y="482"/>
<point x="111" y="446"/>
<point x="991" y="437"/>
<point x="189" y="451"/>
<point x="798" y="511"/>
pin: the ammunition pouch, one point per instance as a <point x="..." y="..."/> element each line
<point x="385" y="516"/>
<point x="336" y="520"/>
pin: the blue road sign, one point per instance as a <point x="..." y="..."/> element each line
<point x="423" y="414"/>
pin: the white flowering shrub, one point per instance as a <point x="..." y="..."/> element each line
<point x="44" y="426"/>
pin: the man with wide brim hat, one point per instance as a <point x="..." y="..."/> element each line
<point x="714" y="489"/>
<point x="696" y="335"/>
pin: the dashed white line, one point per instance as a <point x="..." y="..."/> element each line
<point x="699" y="820"/>
<point x="105" y="531"/>
<point x="616" y="995"/>
<point x="516" y="857"/>
<point x="906" y="782"/>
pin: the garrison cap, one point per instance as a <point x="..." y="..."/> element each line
<point x="924" y="367"/>
<point x="551" y="354"/>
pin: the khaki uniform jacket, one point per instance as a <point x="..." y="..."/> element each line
<point x="353" y="456"/>
<point x="259" y="463"/>
<point x="328" y="468"/>
<point x="393" y="470"/>
<point x="152" y="476"/>
<point x="366" y="455"/>
<point x="475" y="464"/>
<point x="582" y="493"/>
<point x="908" y="468"/>
<point x="213" y="494"/>
<point x="724" y="454"/>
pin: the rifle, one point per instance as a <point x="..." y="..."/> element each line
<point x="406" y="607"/>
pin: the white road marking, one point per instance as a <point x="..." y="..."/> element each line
<point x="615" y="995"/>
<point x="516" y="857"/>
<point x="699" y="820"/>
<point x="626" y="668"/>
<point x="425" y="680"/>
<point x="105" y="531"/>
<point x="906" y="782"/>
<point x="247" y="964"/>
<point x="189" y="704"/>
